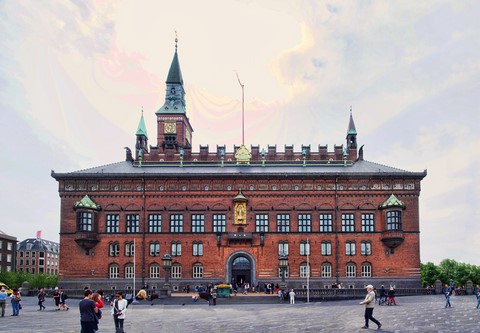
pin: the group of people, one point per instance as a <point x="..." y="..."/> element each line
<point x="15" y="299"/>
<point x="90" y="311"/>
<point x="386" y="297"/>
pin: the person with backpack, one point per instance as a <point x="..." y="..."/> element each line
<point x="63" y="298"/>
<point x="15" y="300"/>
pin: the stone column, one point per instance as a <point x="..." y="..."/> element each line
<point x="438" y="287"/>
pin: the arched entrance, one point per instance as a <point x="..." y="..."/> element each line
<point x="241" y="268"/>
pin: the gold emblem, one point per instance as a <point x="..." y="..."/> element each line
<point x="242" y="155"/>
<point x="240" y="213"/>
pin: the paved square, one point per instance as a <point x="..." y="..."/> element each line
<point x="412" y="314"/>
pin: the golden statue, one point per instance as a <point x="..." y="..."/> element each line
<point x="240" y="213"/>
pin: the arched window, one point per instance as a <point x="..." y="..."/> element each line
<point x="176" y="272"/>
<point x="326" y="270"/>
<point x="113" y="271"/>
<point x="154" y="271"/>
<point x="197" y="271"/>
<point x="366" y="269"/>
<point x="129" y="271"/>
<point x="351" y="270"/>
<point x="304" y="270"/>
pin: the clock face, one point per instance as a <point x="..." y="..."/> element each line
<point x="170" y="128"/>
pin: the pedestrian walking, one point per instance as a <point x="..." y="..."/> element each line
<point x="477" y="293"/>
<point x="15" y="300"/>
<point x="391" y="297"/>
<point x="3" y="300"/>
<point x="369" y="302"/>
<point x="447" y="291"/>
<point x="41" y="299"/>
<point x="63" y="300"/>
<point x="56" y="298"/>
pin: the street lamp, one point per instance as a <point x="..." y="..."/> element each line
<point x="283" y="264"/>
<point x="167" y="266"/>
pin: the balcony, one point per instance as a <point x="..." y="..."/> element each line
<point x="392" y="238"/>
<point x="86" y="239"/>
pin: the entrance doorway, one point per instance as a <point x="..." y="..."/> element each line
<point x="241" y="271"/>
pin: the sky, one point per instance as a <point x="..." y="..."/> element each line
<point x="75" y="76"/>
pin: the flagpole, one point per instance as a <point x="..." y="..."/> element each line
<point x="308" y="275"/>
<point x="243" y="109"/>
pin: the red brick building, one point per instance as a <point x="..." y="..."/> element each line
<point x="228" y="215"/>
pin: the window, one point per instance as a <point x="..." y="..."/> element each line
<point x="261" y="222"/>
<point x="368" y="224"/>
<point x="154" y="271"/>
<point x="304" y="270"/>
<point x="326" y="270"/>
<point x="133" y="223"/>
<point x="394" y="220"/>
<point x="326" y="249"/>
<point x="304" y="223"/>
<point x="366" y="270"/>
<point x="348" y="223"/>
<point x="366" y="248"/>
<point x="304" y="248"/>
<point x="197" y="271"/>
<point x="129" y="271"/>
<point x="176" y="249"/>
<point x="176" y="223"/>
<point x="154" y="223"/>
<point x="351" y="270"/>
<point x="176" y="272"/>
<point x="114" y="271"/>
<point x="198" y="223"/>
<point x="283" y="248"/>
<point x="154" y="249"/>
<point x="84" y="221"/>
<point x="129" y="249"/>
<point x="197" y="249"/>
<point x="219" y="223"/>
<point x="326" y="223"/>
<point x="114" y="249"/>
<point x="283" y="223"/>
<point x="113" y="223"/>
<point x="350" y="248"/>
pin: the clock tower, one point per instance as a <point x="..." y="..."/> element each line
<point x="173" y="127"/>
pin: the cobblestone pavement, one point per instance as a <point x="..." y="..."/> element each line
<point x="412" y="314"/>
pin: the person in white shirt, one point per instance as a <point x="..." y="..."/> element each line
<point x="119" y="308"/>
<point x="291" y="294"/>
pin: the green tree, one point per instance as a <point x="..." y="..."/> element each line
<point x="429" y="273"/>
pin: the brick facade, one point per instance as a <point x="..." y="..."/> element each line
<point x="266" y="198"/>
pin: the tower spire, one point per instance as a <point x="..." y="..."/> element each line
<point x="351" y="137"/>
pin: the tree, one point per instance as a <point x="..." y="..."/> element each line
<point x="429" y="273"/>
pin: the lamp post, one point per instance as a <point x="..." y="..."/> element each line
<point x="283" y="264"/>
<point x="167" y="266"/>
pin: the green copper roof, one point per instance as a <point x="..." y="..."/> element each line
<point x="141" y="129"/>
<point x="175" y="74"/>
<point x="240" y="197"/>
<point x="392" y="201"/>
<point x="351" y="126"/>
<point x="88" y="203"/>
